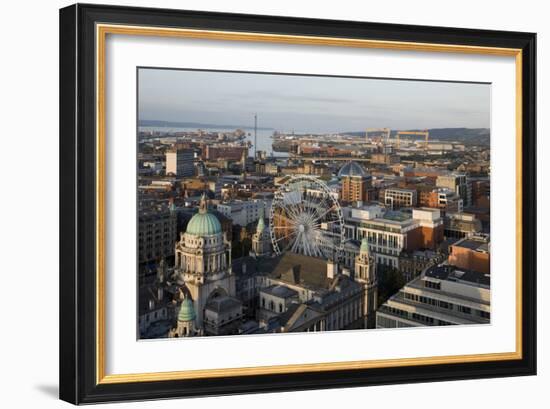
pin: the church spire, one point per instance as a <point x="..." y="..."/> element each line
<point x="261" y="225"/>
<point x="364" y="246"/>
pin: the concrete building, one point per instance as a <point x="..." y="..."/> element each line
<point x="180" y="163"/>
<point x="460" y="225"/>
<point x="393" y="232"/>
<point x="457" y="183"/>
<point x="396" y="198"/>
<point x="442" y="295"/>
<point x="446" y="200"/>
<point x="156" y="234"/>
<point x="243" y="212"/>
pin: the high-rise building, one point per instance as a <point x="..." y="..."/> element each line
<point x="457" y="183"/>
<point x="179" y="162"/>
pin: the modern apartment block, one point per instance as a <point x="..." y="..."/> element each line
<point x="457" y="183"/>
<point x="442" y="295"/>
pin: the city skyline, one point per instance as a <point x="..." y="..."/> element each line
<point x="310" y="103"/>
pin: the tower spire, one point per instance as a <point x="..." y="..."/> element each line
<point x="203" y="206"/>
<point x="255" y="134"/>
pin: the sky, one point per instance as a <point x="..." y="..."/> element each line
<point x="309" y="104"/>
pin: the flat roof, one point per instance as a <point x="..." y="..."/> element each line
<point x="474" y="244"/>
<point x="452" y="273"/>
<point x="280" y="291"/>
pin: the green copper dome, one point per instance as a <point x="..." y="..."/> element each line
<point x="364" y="245"/>
<point x="204" y="223"/>
<point x="187" y="311"/>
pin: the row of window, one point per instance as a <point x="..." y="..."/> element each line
<point x="446" y="305"/>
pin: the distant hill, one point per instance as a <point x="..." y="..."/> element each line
<point x="478" y="136"/>
<point x="195" y="125"/>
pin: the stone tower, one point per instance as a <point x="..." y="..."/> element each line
<point x="365" y="273"/>
<point x="261" y="240"/>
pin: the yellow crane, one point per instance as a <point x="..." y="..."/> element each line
<point x="424" y="133"/>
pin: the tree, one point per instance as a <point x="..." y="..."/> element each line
<point x="390" y="281"/>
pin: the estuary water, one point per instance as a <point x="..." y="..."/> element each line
<point x="264" y="137"/>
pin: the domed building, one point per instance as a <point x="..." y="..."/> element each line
<point x="356" y="183"/>
<point x="186" y="319"/>
<point x="352" y="169"/>
<point x="203" y="263"/>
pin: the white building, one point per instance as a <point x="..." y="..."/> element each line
<point x="243" y="212"/>
<point x="397" y="197"/>
<point x="390" y="233"/>
<point x="441" y="295"/>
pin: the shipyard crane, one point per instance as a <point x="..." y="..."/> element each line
<point x="424" y="133"/>
<point x="387" y="131"/>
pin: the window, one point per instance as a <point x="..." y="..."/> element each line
<point x="431" y="284"/>
<point x="464" y="310"/>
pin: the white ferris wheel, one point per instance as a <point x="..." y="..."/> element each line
<point x="306" y="218"/>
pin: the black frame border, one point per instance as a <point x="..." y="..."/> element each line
<point x="78" y="197"/>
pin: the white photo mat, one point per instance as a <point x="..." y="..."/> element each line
<point x="125" y="354"/>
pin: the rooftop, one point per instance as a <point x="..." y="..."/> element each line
<point x="476" y="244"/>
<point x="452" y="273"/>
<point x="224" y="303"/>
<point x="280" y="291"/>
<point x="352" y="169"/>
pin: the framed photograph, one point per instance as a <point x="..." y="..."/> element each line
<point x="257" y="203"/>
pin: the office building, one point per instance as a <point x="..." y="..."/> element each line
<point x="442" y="295"/>
<point x="179" y="163"/>
<point x="396" y="198"/>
